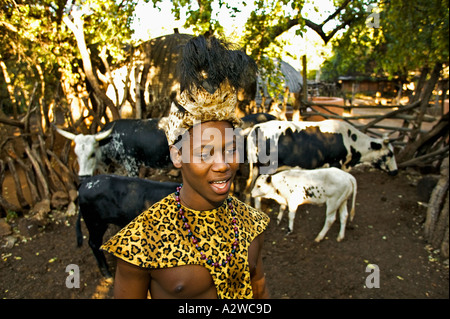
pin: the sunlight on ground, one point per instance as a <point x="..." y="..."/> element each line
<point x="103" y="288"/>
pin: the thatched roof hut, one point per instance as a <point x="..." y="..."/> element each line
<point x="158" y="82"/>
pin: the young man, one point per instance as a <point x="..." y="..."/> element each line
<point x="198" y="242"/>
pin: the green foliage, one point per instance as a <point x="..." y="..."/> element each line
<point x="411" y="35"/>
<point x="202" y="15"/>
<point x="269" y="20"/>
<point x="11" y="216"/>
<point x="37" y="47"/>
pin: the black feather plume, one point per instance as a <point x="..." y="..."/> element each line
<point x="207" y="62"/>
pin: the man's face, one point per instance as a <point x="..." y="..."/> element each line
<point x="208" y="161"/>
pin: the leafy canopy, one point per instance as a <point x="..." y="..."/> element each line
<point x="37" y="47"/>
<point x="411" y="35"/>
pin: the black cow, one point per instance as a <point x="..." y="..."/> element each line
<point x="128" y="142"/>
<point x="117" y="200"/>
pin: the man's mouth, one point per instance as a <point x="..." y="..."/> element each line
<point x="221" y="186"/>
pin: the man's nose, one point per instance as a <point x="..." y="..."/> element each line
<point x="219" y="163"/>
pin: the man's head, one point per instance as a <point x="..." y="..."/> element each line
<point x="210" y="73"/>
<point x="200" y="126"/>
<point x="208" y="158"/>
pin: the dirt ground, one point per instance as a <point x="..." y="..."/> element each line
<point x="387" y="232"/>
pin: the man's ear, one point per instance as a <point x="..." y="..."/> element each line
<point x="175" y="156"/>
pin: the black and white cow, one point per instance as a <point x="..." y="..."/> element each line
<point x="117" y="200"/>
<point x="294" y="187"/>
<point x="312" y="145"/>
<point x="250" y="120"/>
<point x="128" y="142"/>
<point x="247" y="123"/>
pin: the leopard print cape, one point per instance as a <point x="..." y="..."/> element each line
<point x="156" y="239"/>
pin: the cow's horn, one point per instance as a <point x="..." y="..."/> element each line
<point x="390" y="140"/>
<point x="66" y="134"/>
<point x="386" y="138"/>
<point x="101" y="135"/>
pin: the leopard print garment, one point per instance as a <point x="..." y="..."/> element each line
<point x="156" y="239"/>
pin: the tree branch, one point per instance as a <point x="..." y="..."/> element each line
<point x="12" y="122"/>
<point x="338" y="10"/>
<point x="76" y="26"/>
<point x="277" y="30"/>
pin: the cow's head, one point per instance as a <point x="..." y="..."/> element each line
<point x="263" y="186"/>
<point x="381" y="156"/>
<point x="86" y="149"/>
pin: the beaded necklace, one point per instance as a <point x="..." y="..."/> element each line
<point x="195" y="240"/>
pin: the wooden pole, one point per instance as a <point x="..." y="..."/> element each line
<point x="296" y="115"/>
<point x="305" y="80"/>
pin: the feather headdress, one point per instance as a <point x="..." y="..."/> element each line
<point x="210" y="73"/>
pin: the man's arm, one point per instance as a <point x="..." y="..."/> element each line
<point x="131" y="282"/>
<point x="258" y="279"/>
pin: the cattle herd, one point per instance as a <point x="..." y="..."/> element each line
<point x="290" y="162"/>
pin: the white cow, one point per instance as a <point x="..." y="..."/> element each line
<point x="87" y="149"/>
<point x="294" y="187"/>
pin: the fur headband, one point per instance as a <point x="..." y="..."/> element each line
<point x="210" y="74"/>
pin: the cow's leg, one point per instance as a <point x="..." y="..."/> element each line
<point x="95" y="241"/>
<point x="329" y="220"/>
<point x="343" y="215"/>
<point x="257" y="202"/>
<point x="291" y="219"/>
<point x="280" y="214"/>
<point x="253" y="174"/>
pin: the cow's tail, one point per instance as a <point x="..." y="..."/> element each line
<point x="78" y="229"/>
<point x="354" y="186"/>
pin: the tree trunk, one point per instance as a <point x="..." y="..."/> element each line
<point x="54" y="181"/>
<point x="66" y="175"/>
<point x="425" y="99"/>
<point x="415" y="97"/>
<point x="39" y="173"/>
<point x="77" y="28"/>
<point x="19" y="193"/>
<point x="439" y="130"/>
<point x="3" y="202"/>
<point x="437" y="221"/>
<point x="9" y="87"/>
<point x="31" y="180"/>
<point x="420" y="83"/>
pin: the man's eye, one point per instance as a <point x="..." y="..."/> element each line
<point x="205" y="156"/>
<point x="230" y="151"/>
